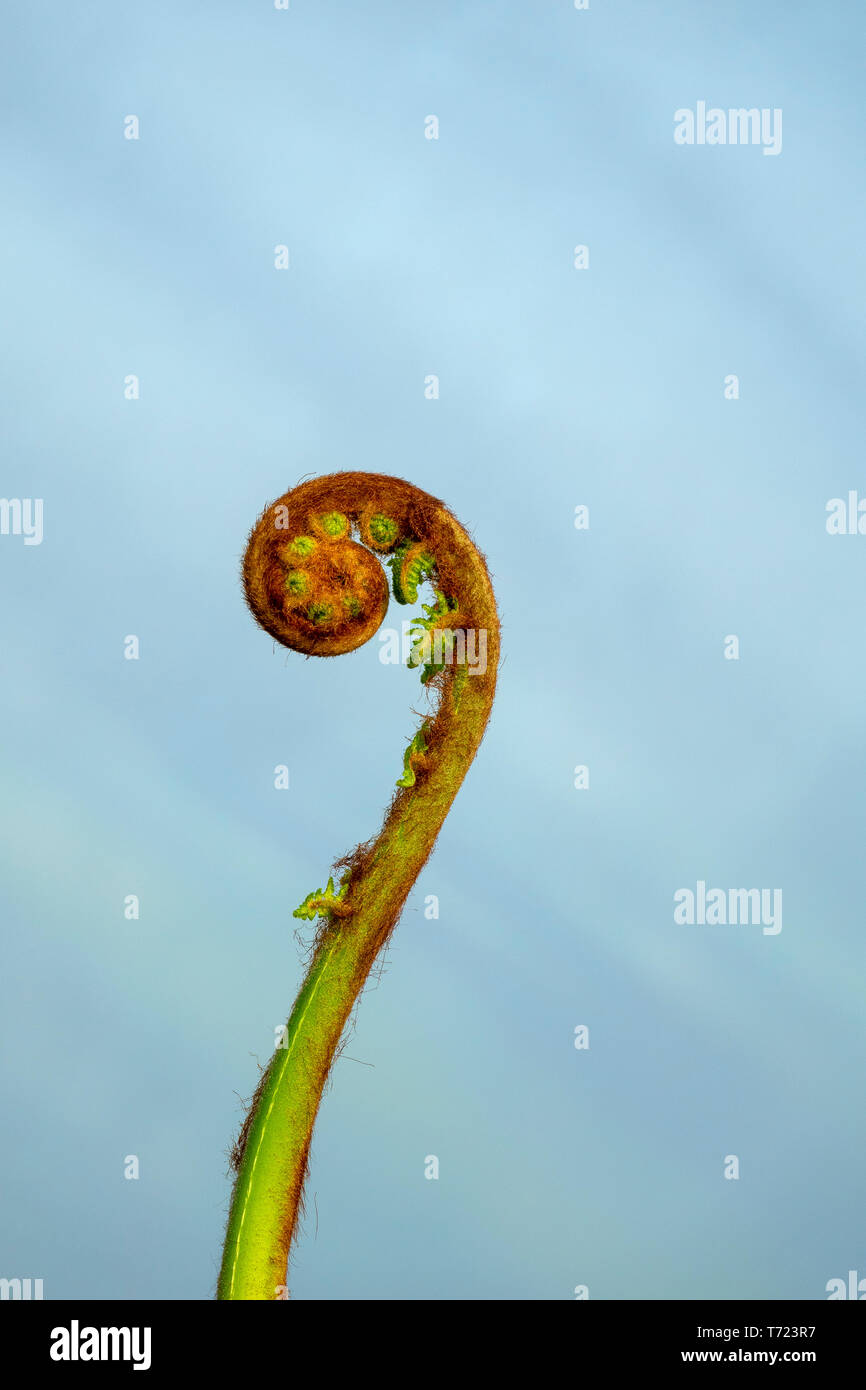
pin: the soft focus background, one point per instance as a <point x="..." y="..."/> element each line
<point x="558" y="387"/>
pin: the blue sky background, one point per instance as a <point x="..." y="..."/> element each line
<point x="558" y="387"/>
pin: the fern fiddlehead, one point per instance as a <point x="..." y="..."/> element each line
<point x="314" y="579"/>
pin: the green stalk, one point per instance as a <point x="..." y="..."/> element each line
<point x="267" y="1193"/>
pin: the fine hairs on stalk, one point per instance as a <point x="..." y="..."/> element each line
<point x="316" y="577"/>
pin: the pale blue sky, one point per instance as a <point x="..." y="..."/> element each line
<point x="558" y="387"/>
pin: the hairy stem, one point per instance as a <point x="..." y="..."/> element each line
<point x="323" y="598"/>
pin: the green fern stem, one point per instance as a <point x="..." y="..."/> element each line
<point x="357" y="921"/>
